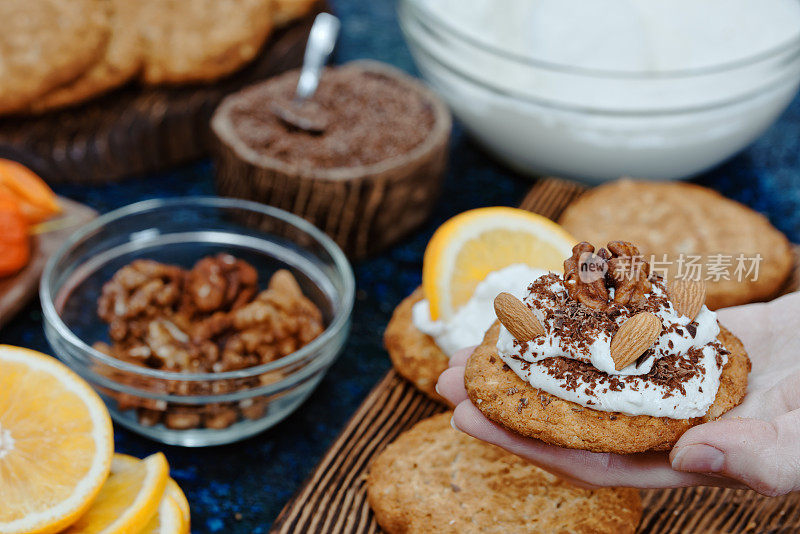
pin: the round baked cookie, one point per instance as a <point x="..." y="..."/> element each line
<point x="414" y="354"/>
<point x="119" y="63"/>
<point x="679" y="218"/>
<point x="47" y="43"/>
<point x="201" y="40"/>
<point x="438" y="480"/>
<point x="506" y="399"/>
<point x="288" y="10"/>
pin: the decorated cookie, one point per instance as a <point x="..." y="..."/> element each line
<point x="691" y="230"/>
<point x="608" y="357"/>
<point x="47" y="43"/>
<point x="436" y="479"/>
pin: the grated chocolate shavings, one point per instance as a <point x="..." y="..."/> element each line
<point x="692" y="329"/>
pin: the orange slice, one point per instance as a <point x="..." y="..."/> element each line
<point x="175" y="491"/>
<point x="466" y="248"/>
<point x="172" y="491"/>
<point x="129" y="499"/>
<point x="56" y="443"/>
<point x="168" y="520"/>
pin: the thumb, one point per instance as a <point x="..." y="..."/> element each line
<point x="764" y="455"/>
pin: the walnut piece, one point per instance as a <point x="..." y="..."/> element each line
<point x="142" y="289"/>
<point x="589" y="290"/>
<point x="208" y="319"/>
<point x="588" y="276"/>
<point x="628" y="273"/>
<point x="220" y="283"/>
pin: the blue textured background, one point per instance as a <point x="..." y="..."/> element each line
<point x="242" y="487"/>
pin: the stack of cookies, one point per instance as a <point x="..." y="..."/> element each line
<point x="57" y="53"/>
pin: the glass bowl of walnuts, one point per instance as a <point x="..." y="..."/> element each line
<point x="200" y="321"/>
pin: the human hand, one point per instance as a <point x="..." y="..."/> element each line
<point x="755" y="445"/>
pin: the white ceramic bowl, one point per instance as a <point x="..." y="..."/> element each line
<point x="595" y="125"/>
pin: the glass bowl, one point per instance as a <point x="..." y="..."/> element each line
<point x="544" y="118"/>
<point x="196" y="409"/>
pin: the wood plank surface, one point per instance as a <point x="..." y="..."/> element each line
<point x="333" y="499"/>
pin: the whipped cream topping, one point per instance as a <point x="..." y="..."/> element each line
<point x="677" y="378"/>
<point x="470" y="322"/>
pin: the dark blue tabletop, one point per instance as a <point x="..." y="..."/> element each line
<point x="242" y="487"/>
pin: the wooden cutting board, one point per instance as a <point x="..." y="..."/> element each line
<point x="136" y="130"/>
<point x="333" y="499"/>
<point x="17" y="290"/>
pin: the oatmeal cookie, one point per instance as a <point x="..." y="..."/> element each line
<point x="287" y="11"/>
<point x="506" y="399"/>
<point x="202" y="40"/>
<point x="119" y="63"/>
<point x="436" y="479"/>
<point x="679" y="218"/>
<point x="414" y="354"/>
<point x="47" y="43"/>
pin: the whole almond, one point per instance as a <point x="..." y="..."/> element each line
<point x="633" y="338"/>
<point x="687" y="296"/>
<point x="517" y="318"/>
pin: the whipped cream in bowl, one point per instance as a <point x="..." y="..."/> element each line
<point x="676" y="377"/>
<point x="598" y="90"/>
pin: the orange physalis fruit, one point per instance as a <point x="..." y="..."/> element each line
<point x="35" y="198"/>
<point x="15" y="248"/>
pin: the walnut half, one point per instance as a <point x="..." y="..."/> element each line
<point x="588" y="288"/>
<point x="628" y="273"/>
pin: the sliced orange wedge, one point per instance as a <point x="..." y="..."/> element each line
<point x="129" y="499"/>
<point x="466" y="248"/>
<point x="56" y="443"/>
<point x="175" y="491"/>
<point x="168" y="519"/>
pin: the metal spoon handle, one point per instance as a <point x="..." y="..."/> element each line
<point x="321" y="41"/>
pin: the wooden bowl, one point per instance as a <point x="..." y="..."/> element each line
<point x="363" y="208"/>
